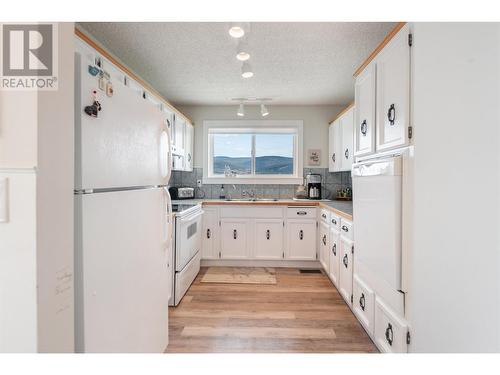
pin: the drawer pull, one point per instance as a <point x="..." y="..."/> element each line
<point x="301" y="234"/>
<point x="323" y="216"/>
<point x="209" y="234"/>
<point x="364" y="128"/>
<point x="235" y="234"/>
<point x="391" y="114"/>
<point x="389" y="335"/>
<point x="345" y="229"/>
<point x="324" y="239"/>
<point x="334" y="222"/>
<point x="362" y="301"/>
<point x="268" y="234"/>
<point x="345" y="260"/>
<point x="301" y="213"/>
<point x="334" y="249"/>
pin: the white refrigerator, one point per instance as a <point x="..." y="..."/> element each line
<point x="123" y="223"/>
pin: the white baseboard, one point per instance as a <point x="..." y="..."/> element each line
<point x="308" y="264"/>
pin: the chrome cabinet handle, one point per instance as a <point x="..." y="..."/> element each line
<point x="389" y="334"/>
<point x="364" y="127"/>
<point x="324" y="239"/>
<point x="345" y="229"/>
<point x="235" y="233"/>
<point x="323" y="216"/>
<point x="268" y="234"/>
<point x="346" y="153"/>
<point x="209" y="234"/>
<point x="345" y="260"/>
<point x="391" y="114"/>
<point x="334" y="221"/>
<point x="334" y="249"/>
<point x="301" y="213"/>
<point x="362" y="301"/>
<point x="301" y="234"/>
<point x="333" y="157"/>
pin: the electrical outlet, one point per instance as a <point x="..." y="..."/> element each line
<point x="198" y="183"/>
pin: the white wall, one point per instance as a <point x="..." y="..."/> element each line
<point x="36" y="244"/>
<point x="455" y="286"/>
<point x="316" y="119"/>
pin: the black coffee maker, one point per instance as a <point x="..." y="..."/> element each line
<point x="313" y="186"/>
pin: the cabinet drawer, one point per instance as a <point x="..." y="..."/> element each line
<point x="324" y="216"/>
<point x="363" y="304"/>
<point x="334" y="222"/>
<point x="301" y="212"/>
<point x="390" y="330"/>
<point x="346" y="229"/>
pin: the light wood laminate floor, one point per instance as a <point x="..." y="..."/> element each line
<point x="301" y="313"/>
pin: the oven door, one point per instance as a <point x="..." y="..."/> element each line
<point x="187" y="238"/>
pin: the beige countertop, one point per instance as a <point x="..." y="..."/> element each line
<point x="342" y="208"/>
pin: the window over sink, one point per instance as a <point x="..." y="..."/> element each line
<point x="252" y="152"/>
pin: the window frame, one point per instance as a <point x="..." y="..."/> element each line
<point x="252" y="127"/>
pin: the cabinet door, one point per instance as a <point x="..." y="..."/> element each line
<point x="210" y="233"/>
<point x="233" y="234"/>
<point x="334" y="146"/>
<point x="301" y="239"/>
<point x="345" y="275"/>
<point x="188" y="147"/>
<point x="364" y="112"/>
<point x="347" y="129"/>
<point x="178" y="136"/>
<point x="393" y="92"/>
<point x="268" y="239"/>
<point x="334" y="256"/>
<point x="324" y="245"/>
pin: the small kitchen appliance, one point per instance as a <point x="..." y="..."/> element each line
<point x="181" y="192"/>
<point x="313" y="186"/>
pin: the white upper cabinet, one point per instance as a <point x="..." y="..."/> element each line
<point x="347" y="128"/>
<point x="340" y="142"/>
<point x="188" y="147"/>
<point x="182" y="144"/>
<point x="393" y="92"/>
<point x="334" y="147"/>
<point x="364" y="114"/>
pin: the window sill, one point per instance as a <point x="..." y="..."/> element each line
<point x="252" y="180"/>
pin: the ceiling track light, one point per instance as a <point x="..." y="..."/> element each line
<point x="241" y="110"/>
<point x="242" y="51"/>
<point x="246" y="70"/>
<point x="263" y="110"/>
<point x="236" y="31"/>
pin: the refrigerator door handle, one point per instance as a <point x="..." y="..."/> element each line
<point x="170" y="217"/>
<point x="165" y="153"/>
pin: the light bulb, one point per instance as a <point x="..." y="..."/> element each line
<point x="241" y="110"/>
<point x="246" y="70"/>
<point x="236" y="31"/>
<point x="263" y="110"/>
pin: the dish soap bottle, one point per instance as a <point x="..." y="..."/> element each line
<point x="222" y="194"/>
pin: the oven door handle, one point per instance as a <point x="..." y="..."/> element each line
<point x="191" y="217"/>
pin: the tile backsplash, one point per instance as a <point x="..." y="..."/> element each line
<point x="332" y="181"/>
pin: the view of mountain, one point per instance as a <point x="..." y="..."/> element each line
<point x="263" y="164"/>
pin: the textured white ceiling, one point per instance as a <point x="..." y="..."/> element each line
<point x="195" y="63"/>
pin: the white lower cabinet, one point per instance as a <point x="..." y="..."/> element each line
<point x="268" y="239"/>
<point x="390" y="330"/>
<point x="334" y="266"/>
<point x="345" y="274"/>
<point x="363" y="304"/>
<point x="301" y="239"/>
<point x="233" y="239"/>
<point x="324" y="245"/>
<point x="210" y="249"/>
